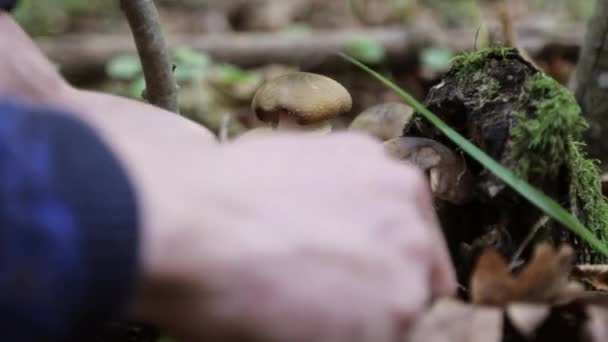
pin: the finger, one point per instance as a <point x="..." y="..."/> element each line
<point x="442" y="276"/>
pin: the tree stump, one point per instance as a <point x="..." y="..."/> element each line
<point x="529" y="123"/>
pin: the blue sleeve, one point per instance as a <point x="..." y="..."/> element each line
<point x="68" y="227"/>
<point x="8" y="5"/>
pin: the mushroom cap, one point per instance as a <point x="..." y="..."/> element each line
<point x="384" y="121"/>
<point x="306" y="97"/>
<point x="450" y="178"/>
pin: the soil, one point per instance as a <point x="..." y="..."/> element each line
<point x="127" y="332"/>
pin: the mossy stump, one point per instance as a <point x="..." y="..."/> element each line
<point x="529" y="123"/>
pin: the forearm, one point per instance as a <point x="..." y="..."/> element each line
<point x="69" y="237"/>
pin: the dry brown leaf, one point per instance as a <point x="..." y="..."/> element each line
<point x="594" y="275"/>
<point x="491" y="282"/>
<point x="544" y="279"/>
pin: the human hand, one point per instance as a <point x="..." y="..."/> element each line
<point x="277" y="237"/>
<point x="274" y="238"/>
<point x="298" y="239"/>
<point x="282" y="238"/>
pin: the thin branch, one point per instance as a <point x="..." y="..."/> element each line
<point x="505" y="18"/>
<point x="161" y="89"/>
<point x="531" y="234"/>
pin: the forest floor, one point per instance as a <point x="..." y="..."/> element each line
<point x="224" y="50"/>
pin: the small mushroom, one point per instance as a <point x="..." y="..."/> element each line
<point x="384" y="121"/>
<point x="301" y="101"/>
<point x="450" y="178"/>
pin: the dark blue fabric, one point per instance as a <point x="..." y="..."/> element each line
<point x="8" y="5"/>
<point x="68" y="227"/>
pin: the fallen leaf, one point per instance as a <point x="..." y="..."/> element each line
<point x="594" y="275"/>
<point x="544" y="279"/>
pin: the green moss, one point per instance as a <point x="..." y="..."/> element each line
<point x="472" y="61"/>
<point x="546" y="138"/>
<point x="547" y="127"/>
<point x="549" y="138"/>
<point x="541" y="138"/>
<point x="489" y="88"/>
<point x="586" y="187"/>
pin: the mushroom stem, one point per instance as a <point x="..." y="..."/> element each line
<point x="288" y="123"/>
<point x="450" y="178"/>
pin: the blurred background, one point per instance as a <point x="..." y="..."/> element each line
<point x="224" y="49"/>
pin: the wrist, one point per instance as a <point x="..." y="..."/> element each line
<point x="171" y="233"/>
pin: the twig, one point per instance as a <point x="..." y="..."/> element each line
<point x="505" y="17"/>
<point x="161" y="89"/>
<point x="537" y="226"/>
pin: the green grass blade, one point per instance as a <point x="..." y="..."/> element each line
<point x="545" y="203"/>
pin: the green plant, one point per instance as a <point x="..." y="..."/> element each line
<point x="230" y="74"/>
<point x="54" y="16"/>
<point x="545" y="203"/>
<point x="190" y="66"/>
<point x="436" y="59"/>
<point x="366" y="49"/>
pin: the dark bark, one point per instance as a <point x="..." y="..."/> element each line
<point x="590" y="84"/>
<point x="161" y="89"/>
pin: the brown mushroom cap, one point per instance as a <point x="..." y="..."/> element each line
<point x="308" y="98"/>
<point x="450" y="178"/>
<point x="384" y="121"/>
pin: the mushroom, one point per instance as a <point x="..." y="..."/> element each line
<point x="301" y="101"/>
<point x="384" y="121"/>
<point x="450" y="178"/>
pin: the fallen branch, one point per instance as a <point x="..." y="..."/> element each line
<point x="161" y="89"/>
<point x="306" y="49"/>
